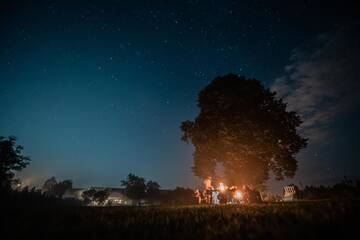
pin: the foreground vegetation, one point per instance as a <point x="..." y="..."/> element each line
<point x="303" y="220"/>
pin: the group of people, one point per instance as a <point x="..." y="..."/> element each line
<point x="226" y="195"/>
<point x="216" y="196"/>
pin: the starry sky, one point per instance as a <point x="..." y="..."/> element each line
<point x="97" y="89"/>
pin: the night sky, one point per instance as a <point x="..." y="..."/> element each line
<point x="97" y="89"/>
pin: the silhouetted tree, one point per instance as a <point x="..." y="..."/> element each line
<point x="101" y="196"/>
<point x="346" y="189"/>
<point x="135" y="187"/>
<point x="56" y="189"/>
<point x="88" y="195"/>
<point x="152" y="190"/>
<point x="11" y="159"/>
<point x="16" y="184"/>
<point x="93" y="195"/>
<point x="48" y="185"/>
<point x="60" y="188"/>
<point x="242" y="126"/>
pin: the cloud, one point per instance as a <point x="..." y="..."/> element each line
<point x="323" y="83"/>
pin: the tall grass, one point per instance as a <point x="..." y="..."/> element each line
<point x="303" y="220"/>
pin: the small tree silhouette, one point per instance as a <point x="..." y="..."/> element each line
<point x="135" y="187"/>
<point x="11" y="159"/>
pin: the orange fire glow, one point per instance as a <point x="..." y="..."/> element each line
<point x="238" y="195"/>
<point x="222" y="187"/>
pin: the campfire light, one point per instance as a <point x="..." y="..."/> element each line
<point x="222" y="194"/>
<point x="238" y="195"/>
<point x="207" y="183"/>
<point x="222" y="187"/>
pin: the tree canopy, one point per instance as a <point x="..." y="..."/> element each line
<point x="152" y="189"/>
<point x="138" y="188"/>
<point x="56" y="189"/>
<point x="135" y="187"/>
<point x="11" y="159"/>
<point x="245" y="128"/>
<point x="88" y="195"/>
<point x="99" y="196"/>
<point x="49" y="184"/>
<point x="102" y="195"/>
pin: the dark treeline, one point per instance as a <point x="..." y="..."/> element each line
<point x="37" y="198"/>
<point x="13" y="193"/>
<point x="26" y="197"/>
<point x="346" y="189"/>
<point x="136" y="188"/>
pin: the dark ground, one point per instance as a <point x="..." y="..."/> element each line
<point x="302" y="220"/>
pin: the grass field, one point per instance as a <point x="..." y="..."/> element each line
<point x="303" y="220"/>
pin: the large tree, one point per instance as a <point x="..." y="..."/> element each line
<point x="244" y="127"/>
<point x="11" y="160"/>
